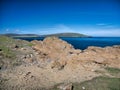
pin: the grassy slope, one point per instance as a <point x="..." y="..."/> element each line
<point x="8" y="53"/>
<point x="5" y="44"/>
<point x="100" y="83"/>
<point x="67" y="35"/>
<point x="57" y="35"/>
<point x="20" y="35"/>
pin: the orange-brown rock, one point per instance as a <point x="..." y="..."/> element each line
<point x="57" y="50"/>
<point x="54" y="61"/>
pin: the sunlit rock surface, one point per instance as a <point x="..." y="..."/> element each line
<point x="52" y="61"/>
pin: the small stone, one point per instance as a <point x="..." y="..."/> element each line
<point x="16" y="46"/>
<point x="83" y="88"/>
<point x="28" y="73"/>
<point x="65" y="87"/>
<point x="92" y="70"/>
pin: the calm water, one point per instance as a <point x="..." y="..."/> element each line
<point x="83" y="43"/>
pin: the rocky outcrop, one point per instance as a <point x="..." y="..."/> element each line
<point x="105" y="56"/>
<point x="56" y="50"/>
<point x="53" y="61"/>
<point x="60" y="53"/>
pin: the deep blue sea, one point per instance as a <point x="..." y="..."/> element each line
<point x="83" y="43"/>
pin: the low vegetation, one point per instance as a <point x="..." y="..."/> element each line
<point x="9" y="51"/>
<point x="66" y="35"/>
<point x="6" y="52"/>
<point x="99" y="83"/>
<point x="113" y="71"/>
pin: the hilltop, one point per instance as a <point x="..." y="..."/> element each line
<point x="46" y="35"/>
<point x="54" y="64"/>
<point x="20" y="35"/>
<point x="66" y="35"/>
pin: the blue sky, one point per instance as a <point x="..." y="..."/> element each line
<point x="91" y="17"/>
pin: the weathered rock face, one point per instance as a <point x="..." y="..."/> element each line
<point x="61" y="53"/>
<point x="54" y="49"/>
<point x="52" y="45"/>
<point x="106" y="56"/>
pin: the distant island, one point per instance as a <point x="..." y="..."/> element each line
<point x="66" y="35"/>
<point x="47" y="35"/>
<point x="20" y="35"/>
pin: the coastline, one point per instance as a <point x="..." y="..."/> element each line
<point x="44" y="64"/>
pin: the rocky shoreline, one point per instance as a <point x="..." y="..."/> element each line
<point x="43" y="64"/>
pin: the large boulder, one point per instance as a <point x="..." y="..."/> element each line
<point x="54" y="49"/>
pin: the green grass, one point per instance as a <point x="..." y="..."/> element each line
<point x="113" y="70"/>
<point x="99" y="83"/>
<point x="30" y="44"/>
<point x="4" y="38"/>
<point x="7" y="52"/>
<point x="8" y="43"/>
<point x="102" y="83"/>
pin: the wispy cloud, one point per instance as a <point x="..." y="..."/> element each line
<point x="60" y="28"/>
<point x="17" y="30"/>
<point x="101" y="24"/>
<point x="105" y="25"/>
<point x="7" y="30"/>
<point x="88" y="30"/>
<point x="10" y="30"/>
<point x="103" y="32"/>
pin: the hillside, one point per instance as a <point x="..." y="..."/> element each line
<point x="54" y="64"/>
<point x="66" y="35"/>
<point x="20" y="35"/>
<point x="46" y="35"/>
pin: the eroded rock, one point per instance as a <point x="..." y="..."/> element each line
<point x="65" y="86"/>
<point x="54" y="61"/>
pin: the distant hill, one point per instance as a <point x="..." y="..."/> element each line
<point x="20" y="35"/>
<point x="57" y="35"/>
<point x="66" y="35"/>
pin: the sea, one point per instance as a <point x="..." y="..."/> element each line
<point x="83" y="43"/>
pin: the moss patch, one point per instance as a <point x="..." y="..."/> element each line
<point x="99" y="83"/>
<point x="113" y="71"/>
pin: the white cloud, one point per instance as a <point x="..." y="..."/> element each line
<point x="104" y="25"/>
<point x="101" y="24"/>
<point x="17" y="30"/>
<point x="102" y="32"/>
<point x="7" y="30"/>
<point x="60" y="29"/>
<point x="50" y="30"/>
<point x="88" y="30"/>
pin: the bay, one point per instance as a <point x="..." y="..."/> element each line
<point x="83" y="43"/>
